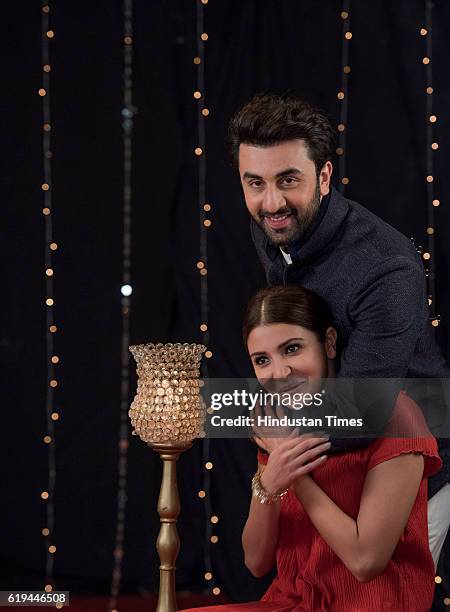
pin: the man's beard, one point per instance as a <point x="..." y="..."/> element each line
<point x="299" y="225"/>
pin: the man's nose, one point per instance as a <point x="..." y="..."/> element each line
<point x="273" y="200"/>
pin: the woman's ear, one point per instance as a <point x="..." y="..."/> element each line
<point x="330" y="342"/>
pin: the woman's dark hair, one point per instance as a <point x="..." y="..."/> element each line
<point x="268" y="120"/>
<point x="287" y="304"/>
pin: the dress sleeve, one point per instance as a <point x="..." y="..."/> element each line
<point x="408" y="422"/>
<point x="388" y="448"/>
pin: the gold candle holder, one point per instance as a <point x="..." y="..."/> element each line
<point x="167" y="413"/>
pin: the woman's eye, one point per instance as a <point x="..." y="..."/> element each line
<point x="292" y="348"/>
<point x="259" y="361"/>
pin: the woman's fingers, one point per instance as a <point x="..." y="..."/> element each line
<point x="281" y="412"/>
<point x="261" y="442"/>
<point x="310" y="455"/>
<point x="293" y="457"/>
<point x="258" y="430"/>
<point x="262" y="430"/>
<point x="309" y="467"/>
<point x="295" y="445"/>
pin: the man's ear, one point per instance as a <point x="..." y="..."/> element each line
<point x="330" y="342"/>
<point x="325" y="178"/>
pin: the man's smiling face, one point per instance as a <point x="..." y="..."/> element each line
<point x="281" y="188"/>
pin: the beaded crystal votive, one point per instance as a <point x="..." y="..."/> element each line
<point x="167" y="406"/>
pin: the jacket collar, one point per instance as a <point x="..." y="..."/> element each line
<point x="317" y="241"/>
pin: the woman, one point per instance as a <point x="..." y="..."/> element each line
<point x="348" y="532"/>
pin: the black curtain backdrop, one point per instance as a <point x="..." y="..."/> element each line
<point x="254" y="46"/>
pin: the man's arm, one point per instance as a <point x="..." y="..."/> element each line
<point x="388" y="311"/>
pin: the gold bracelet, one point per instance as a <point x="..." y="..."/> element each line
<point x="261" y="494"/>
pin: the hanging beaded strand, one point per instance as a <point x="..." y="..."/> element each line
<point x="128" y="112"/>
<point x="203" y="112"/>
<point x="50" y="248"/>
<point x="431" y="147"/>
<point x="342" y="96"/>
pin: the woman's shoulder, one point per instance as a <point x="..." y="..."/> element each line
<point x="406" y="432"/>
<point x="407" y="419"/>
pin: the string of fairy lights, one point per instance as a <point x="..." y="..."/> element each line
<point x="202" y="265"/>
<point x="128" y="112"/>
<point x="426" y="32"/>
<point x="50" y="248"/>
<point x="431" y="147"/>
<point x="342" y="96"/>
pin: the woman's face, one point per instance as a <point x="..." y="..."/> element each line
<point x="291" y="357"/>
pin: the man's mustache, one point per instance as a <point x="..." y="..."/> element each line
<point x="281" y="212"/>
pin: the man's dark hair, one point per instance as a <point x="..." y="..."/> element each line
<point x="268" y="120"/>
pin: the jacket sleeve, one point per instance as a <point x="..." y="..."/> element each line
<point x="388" y="314"/>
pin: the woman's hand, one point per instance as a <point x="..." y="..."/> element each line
<point x="291" y="458"/>
<point x="270" y="436"/>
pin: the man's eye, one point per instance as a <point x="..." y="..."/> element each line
<point x="288" y="180"/>
<point x="292" y="348"/>
<point x="256" y="184"/>
<point x="259" y="361"/>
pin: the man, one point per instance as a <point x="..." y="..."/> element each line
<point x="306" y="233"/>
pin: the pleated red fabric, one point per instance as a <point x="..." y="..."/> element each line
<point x="311" y="577"/>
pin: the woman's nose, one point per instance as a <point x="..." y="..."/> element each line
<point x="281" y="370"/>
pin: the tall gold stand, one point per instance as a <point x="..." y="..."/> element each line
<point x="167" y="414"/>
<point x="168" y="542"/>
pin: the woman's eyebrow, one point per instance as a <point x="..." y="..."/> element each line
<point x="279" y="346"/>
<point x="290" y="340"/>
<point x="257" y="353"/>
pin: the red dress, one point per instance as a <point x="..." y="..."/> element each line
<point x="312" y="578"/>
